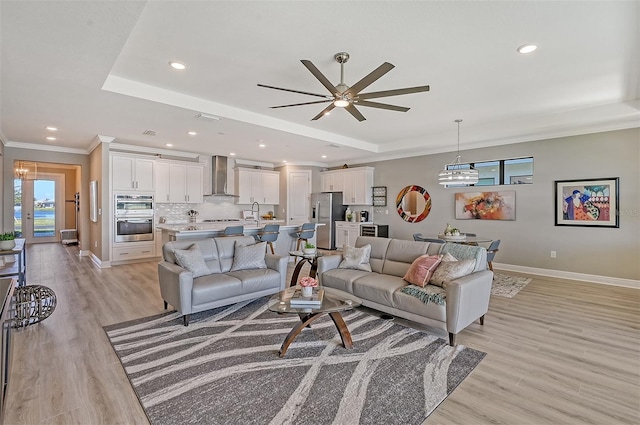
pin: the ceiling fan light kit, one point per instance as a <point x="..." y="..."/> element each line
<point x="343" y="96"/>
<point x="457" y="174"/>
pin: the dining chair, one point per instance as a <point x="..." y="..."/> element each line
<point x="304" y="233"/>
<point x="269" y="234"/>
<point x="418" y="237"/>
<point x="491" y="252"/>
<point x="234" y="231"/>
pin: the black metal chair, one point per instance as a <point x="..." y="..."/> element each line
<point x="269" y="234"/>
<point x="491" y="253"/>
<point x="234" y="231"/>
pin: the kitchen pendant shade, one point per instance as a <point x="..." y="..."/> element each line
<point x="456" y="173"/>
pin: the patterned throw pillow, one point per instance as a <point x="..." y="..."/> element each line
<point x="421" y="269"/>
<point x="451" y="269"/>
<point x="356" y="258"/>
<point x="192" y="260"/>
<point x="249" y="257"/>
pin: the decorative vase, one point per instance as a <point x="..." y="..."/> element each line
<point x="7" y="245"/>
<point x="307" y="291"/>
<point x="309" y="251"/>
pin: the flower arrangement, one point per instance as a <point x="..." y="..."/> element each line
<point x="308" y="282"/>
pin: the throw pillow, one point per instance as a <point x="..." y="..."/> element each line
<point x="192" y="260"/>
<point x="421" y="269"/>
<point x="249" y="257"/>
<point x="356" y="258"/>
<point x="451" y="270"/>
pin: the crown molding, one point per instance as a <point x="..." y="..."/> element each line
<point x="48" y="148"/>
<point x="152" y="151"/>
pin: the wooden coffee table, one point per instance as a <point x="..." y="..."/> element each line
<point x="332" y="304"/>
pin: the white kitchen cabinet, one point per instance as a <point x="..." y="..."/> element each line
<point x="354" y="183"/>
<point x="260" y="186"/>
<point x="332" y="181"/>
<point x="133" y="251"/>
<point x="346" y="233"/>
<point x="357" y="186"/>
<point x="179" y="183"/>
<point x="132" y="174"/>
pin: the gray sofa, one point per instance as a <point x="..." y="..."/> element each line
<point x="467" y="298"/>
<point x="221" y="287"/>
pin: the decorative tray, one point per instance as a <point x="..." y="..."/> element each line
<point x="460" y="237"/>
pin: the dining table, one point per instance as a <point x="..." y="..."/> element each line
<point x="469" y="240"/>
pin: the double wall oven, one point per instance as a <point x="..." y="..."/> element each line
<point x="133" y="218"/>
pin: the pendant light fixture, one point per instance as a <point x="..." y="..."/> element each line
<point x="456" y="173"/>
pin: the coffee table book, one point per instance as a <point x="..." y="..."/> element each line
<point x="315" y="300"/>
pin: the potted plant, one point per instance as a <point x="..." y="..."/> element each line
<point x="7" y="241"/>
<point x="309" y="248"/>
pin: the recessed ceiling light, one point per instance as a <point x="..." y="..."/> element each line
<point x="191" y="133"/>
<point x="232" y="154"/>
<point x="169" y="145"/>
<point x="284" y="161"/>
<point x="324" y="156"/>
<point x="51" y="138"/>
<point x="177" y="65"/>
<point x="527" y="48"/>
<point x="52" y="128"/>
<point x="262" y="145"/>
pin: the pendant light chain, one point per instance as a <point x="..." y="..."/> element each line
<point x="456" y="174"/>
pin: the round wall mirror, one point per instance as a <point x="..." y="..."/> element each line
<point x="413" y="204"/>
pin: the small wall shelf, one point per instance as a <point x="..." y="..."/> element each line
<point x="379" y="196"/>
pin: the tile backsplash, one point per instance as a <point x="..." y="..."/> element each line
<point x="213" y="208"/>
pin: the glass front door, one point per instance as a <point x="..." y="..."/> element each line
<point x="38" y="208"/>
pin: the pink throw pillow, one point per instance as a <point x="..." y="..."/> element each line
<point x="421" y="269"/>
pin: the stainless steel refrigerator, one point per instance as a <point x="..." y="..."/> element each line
<point x="326" y="208"/>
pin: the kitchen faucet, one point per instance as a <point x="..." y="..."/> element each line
<point x="258" y="215"/>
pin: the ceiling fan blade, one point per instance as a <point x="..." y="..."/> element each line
<point x="396" y="92"/>
<point x="353" y="111"/>
<point x="300" y="104"/>
<point x="324" y="112"/>
<point x="369" y="79"/>
<point x="320" y="76"/>
<point x="293" y="91"/>
<point x="381" y="106"/>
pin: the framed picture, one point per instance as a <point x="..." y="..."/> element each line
<point x="93" y="201"/>
<point x="486" y="205"/>
<point x="588" y="203"/>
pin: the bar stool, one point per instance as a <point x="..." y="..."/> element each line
<point x="269" y="234"/>
<point x="304" y="233"/>
<point x="234" y="231"/>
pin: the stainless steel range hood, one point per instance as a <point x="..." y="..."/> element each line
<point x="219" y="177"/>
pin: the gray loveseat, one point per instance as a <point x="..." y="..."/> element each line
<point x="467" y="298"/>
<point x="222" y="286"/>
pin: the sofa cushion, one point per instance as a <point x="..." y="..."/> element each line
<point x="342" y="279"/>
<point x="379" y="248"/>
<point x="421" y="269"/>
<point x="214" y="287"/>
<point x="256" y="280"/>
<point x="449" y="270"/>
<point x="417" y="306"/>
<point x="401" y="254"/>
<point x="192" y="260"/>
<point x="249" y="257"/>
<point x="356" y="258"/>
<point x="378" y="288"/>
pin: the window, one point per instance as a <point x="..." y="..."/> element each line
<point x="504" y="171"/>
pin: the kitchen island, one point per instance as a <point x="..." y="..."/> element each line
<point x="202" y="230"/>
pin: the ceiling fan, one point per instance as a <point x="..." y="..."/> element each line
<point x="343" y="96"/>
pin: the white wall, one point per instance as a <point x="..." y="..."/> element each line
<point x="528" y="240"/>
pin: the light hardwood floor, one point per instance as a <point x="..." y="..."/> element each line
<point x="560" y="352"/>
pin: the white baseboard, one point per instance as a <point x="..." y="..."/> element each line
<point x="84" y="253"/>
<point x="98" y="262"/>
<point x="604" y="280"/>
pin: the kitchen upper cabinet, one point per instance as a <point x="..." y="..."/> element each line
<point x="332" y="181"/>
<point x="354" y="183"/>
<point x="257" y="186"/>
<point x="179" y="183"/>
<point x="132" y="174"/>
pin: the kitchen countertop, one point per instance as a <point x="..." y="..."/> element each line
<point x="200" y="227"/>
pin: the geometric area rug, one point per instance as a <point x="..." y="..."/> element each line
<point x="224" y="368"/>
<point x="508" y="286"/>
